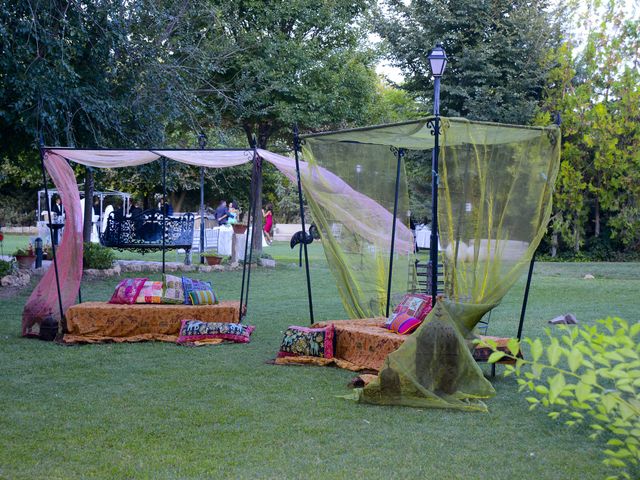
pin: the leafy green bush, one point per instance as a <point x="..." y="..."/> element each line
<point x="6" y="267"/>
<point x="600" y="384"/>
<point x="17" y="209"/>
<point x="97" y="256"/>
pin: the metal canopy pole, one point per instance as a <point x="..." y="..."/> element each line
<point x="63" y="323"/>
<point x="202" y="141"/>
<point x="400" y="154"/>
<point x="164" y="208"/>
<point x="257" y="170"/>
<point x="246" y="239"/>
<point x="526" y="296"/>
<point x="296" y="149"/>
<point x="433" y="248"/>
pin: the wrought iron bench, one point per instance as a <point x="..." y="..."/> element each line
<point x="143" y="232"/>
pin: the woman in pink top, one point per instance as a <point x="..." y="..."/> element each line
<point x="268" y="222"/>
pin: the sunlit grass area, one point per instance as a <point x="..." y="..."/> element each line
<point x="162" y="411"/>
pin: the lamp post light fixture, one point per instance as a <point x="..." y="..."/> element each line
<point x="437" y="62"/>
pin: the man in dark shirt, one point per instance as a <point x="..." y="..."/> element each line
<point x="135" y="209"/>
<point x="222" y="213"/>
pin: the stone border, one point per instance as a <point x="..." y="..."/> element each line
<point x="23" y="277"/>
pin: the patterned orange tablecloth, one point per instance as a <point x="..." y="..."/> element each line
<point x="93" y="322"/>
<point x="363" y="345"/>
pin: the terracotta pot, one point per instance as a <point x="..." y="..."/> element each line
<point x="212" y="260"/>
<point x="26" y="261"/>
<point x="239" y="228"/>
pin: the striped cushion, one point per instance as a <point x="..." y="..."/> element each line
<point x="404" y="324"/>
<point x="192" y="285"/>
<point x="202" y="297"/>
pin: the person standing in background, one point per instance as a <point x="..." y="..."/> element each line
<point x="268" y="222"/>
<point x="56" y="208"/>
<point x="234" y="213"/>
<point x="222" y="213"/>
<point x="135" y="209"/>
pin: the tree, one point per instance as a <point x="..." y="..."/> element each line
<point x="496" y="50"/>
<point x="99" y="74"/>
<point x="597" y="90"/>
<point x="298" y="61"/>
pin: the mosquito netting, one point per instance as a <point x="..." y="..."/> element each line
<point x="494" y="191"/>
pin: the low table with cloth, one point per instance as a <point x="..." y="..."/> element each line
<point x="93" y="322"/>
<point x="363" y="345"/>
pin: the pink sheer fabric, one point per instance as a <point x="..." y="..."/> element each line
<point x="354" y="210"/>
<point x="44" y="299"/>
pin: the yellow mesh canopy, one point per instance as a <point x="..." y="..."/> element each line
<point x="355" y="219"/>
<point x="494" y="192"/>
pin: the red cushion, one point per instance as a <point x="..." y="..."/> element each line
<point x="417" y="305"/>
<point x="404" y="324"/>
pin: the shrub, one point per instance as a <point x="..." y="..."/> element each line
<point x="17" y="209"/>
<point x="6" y="267"/>
<point x="26" y="251"/>
<point x="97" y="256"/>
<point x="599" y="385"/>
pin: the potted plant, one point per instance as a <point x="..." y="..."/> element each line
<point x="212" y="258"/>
<point x="239" y="228"/>
<point x="25" y="257"/>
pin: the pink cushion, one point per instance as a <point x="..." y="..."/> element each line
<point x="416" y="305"/>
<point x="127" y="291"/>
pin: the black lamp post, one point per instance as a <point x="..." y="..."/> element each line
<point x="437" y="62"/>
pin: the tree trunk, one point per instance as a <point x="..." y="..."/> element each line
<point x="177" y="202"/>
<point x="554" y="244"/>
<point x="596" y="220"/>
<point x="256" y="194"/>
<point x="88" y="205"/>
<point x="265" y="130"/>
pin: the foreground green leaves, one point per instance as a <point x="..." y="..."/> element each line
<point x="601" y="385"/>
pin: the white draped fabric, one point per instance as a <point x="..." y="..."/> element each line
<point x="107" y="158"/>
<point x="368" y="218"/>
<point x="131" y="158"/>
<point x="209" y="158"/>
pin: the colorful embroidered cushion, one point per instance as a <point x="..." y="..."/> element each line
<point x="192" y="285"/>
<point x="128" y="290"/>
<point x="417" y="305"/>
<point x="194" y="330"/>
<point x="309" y="342"/>
<point x="151" y="293"/>
<point x="404" y="324"/>
<point x="202" y="297"/>
<point x="172" y="291"/>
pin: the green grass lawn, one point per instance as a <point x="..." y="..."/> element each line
<point x="161" y="411"/>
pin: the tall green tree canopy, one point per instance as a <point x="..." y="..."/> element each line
<point x="496" y="49"/>
<point x="597" y="89"/>
<point x="299" y="61"/>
